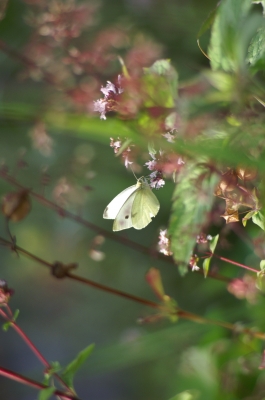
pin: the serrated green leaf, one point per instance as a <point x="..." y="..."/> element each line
<point x="258" y="219"/>
<point x="228" y="35"/>
<point x="71" y="369"/>
<point x="256" y="48"/>
<point x="192" y="200"/>
<point x="45" y="394"/>
<point x="262" y="265"/>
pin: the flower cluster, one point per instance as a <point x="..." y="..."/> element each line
<point x="126" y="153"/>
<point x="156" y="176"/>
<point x="202" y="238"/>
<point x="109" y="103"/>
<point x="193" y="263"/>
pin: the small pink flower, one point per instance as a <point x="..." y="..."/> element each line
<point x="100" y="106"/>
<point x="151" y="165"/>
<point x="155" y="180"/>
<point x="170" y="138"/>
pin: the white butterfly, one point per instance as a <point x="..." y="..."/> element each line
<point x="133" y="207"/>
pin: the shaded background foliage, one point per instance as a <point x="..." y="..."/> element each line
<point x="62" y="317"/>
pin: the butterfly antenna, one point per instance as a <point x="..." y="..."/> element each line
<point x="134" y="174"/>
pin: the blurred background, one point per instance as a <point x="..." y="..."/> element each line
<point x="75" y="167"/>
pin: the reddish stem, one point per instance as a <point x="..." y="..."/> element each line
<point x="30" y="382"/>
<point x="235" y="263"/>
<point x="32" y="347"/>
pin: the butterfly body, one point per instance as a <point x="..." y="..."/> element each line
<point x="133" y="207"/>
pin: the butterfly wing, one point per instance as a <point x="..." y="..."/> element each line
<point x="123" y="219"/>
<point x="113" y="208"/>
<point x="145" y="206"/>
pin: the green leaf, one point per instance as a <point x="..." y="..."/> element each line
<point x="256" y="48"/>
<point x="45" y="394"/>
<point x="55" y="368"/>
<point x="151" y="149"/>
<point x="258" y="219"/>
<point x="206" y="266"/>
<point x="207" y="23"/>
<point x="187" y="395"/>
<point x="6" y="326"/>
<point x="248" y="216"/>
<point x="192" y="200"/>
<point x="207" y="261"/>
<point x="160" y="84"/>
<point x="213" y="243"/>
<point x="228" y="39"/>
<point x="15" y="315"/>
<point x="260" y="283"/>
<point x="170" y="310"/>
<point x="71" y="369"/>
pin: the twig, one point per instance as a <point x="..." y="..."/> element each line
<point x="161" y="307"/>
<point x="30" y="382"/>
<point x="33" y="347"/>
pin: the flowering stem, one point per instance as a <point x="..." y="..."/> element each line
<point x="30" y="382"/>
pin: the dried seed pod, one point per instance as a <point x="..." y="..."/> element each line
<point x="16" y="205"/>
<point x="246" y="174"/>
<point x="228" y="182"/>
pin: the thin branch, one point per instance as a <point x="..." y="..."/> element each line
<point x="161" y="307"/>
<point x="33" y="348"/>
<point x="235" y="263"/>
<point x="30" y="382"/>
